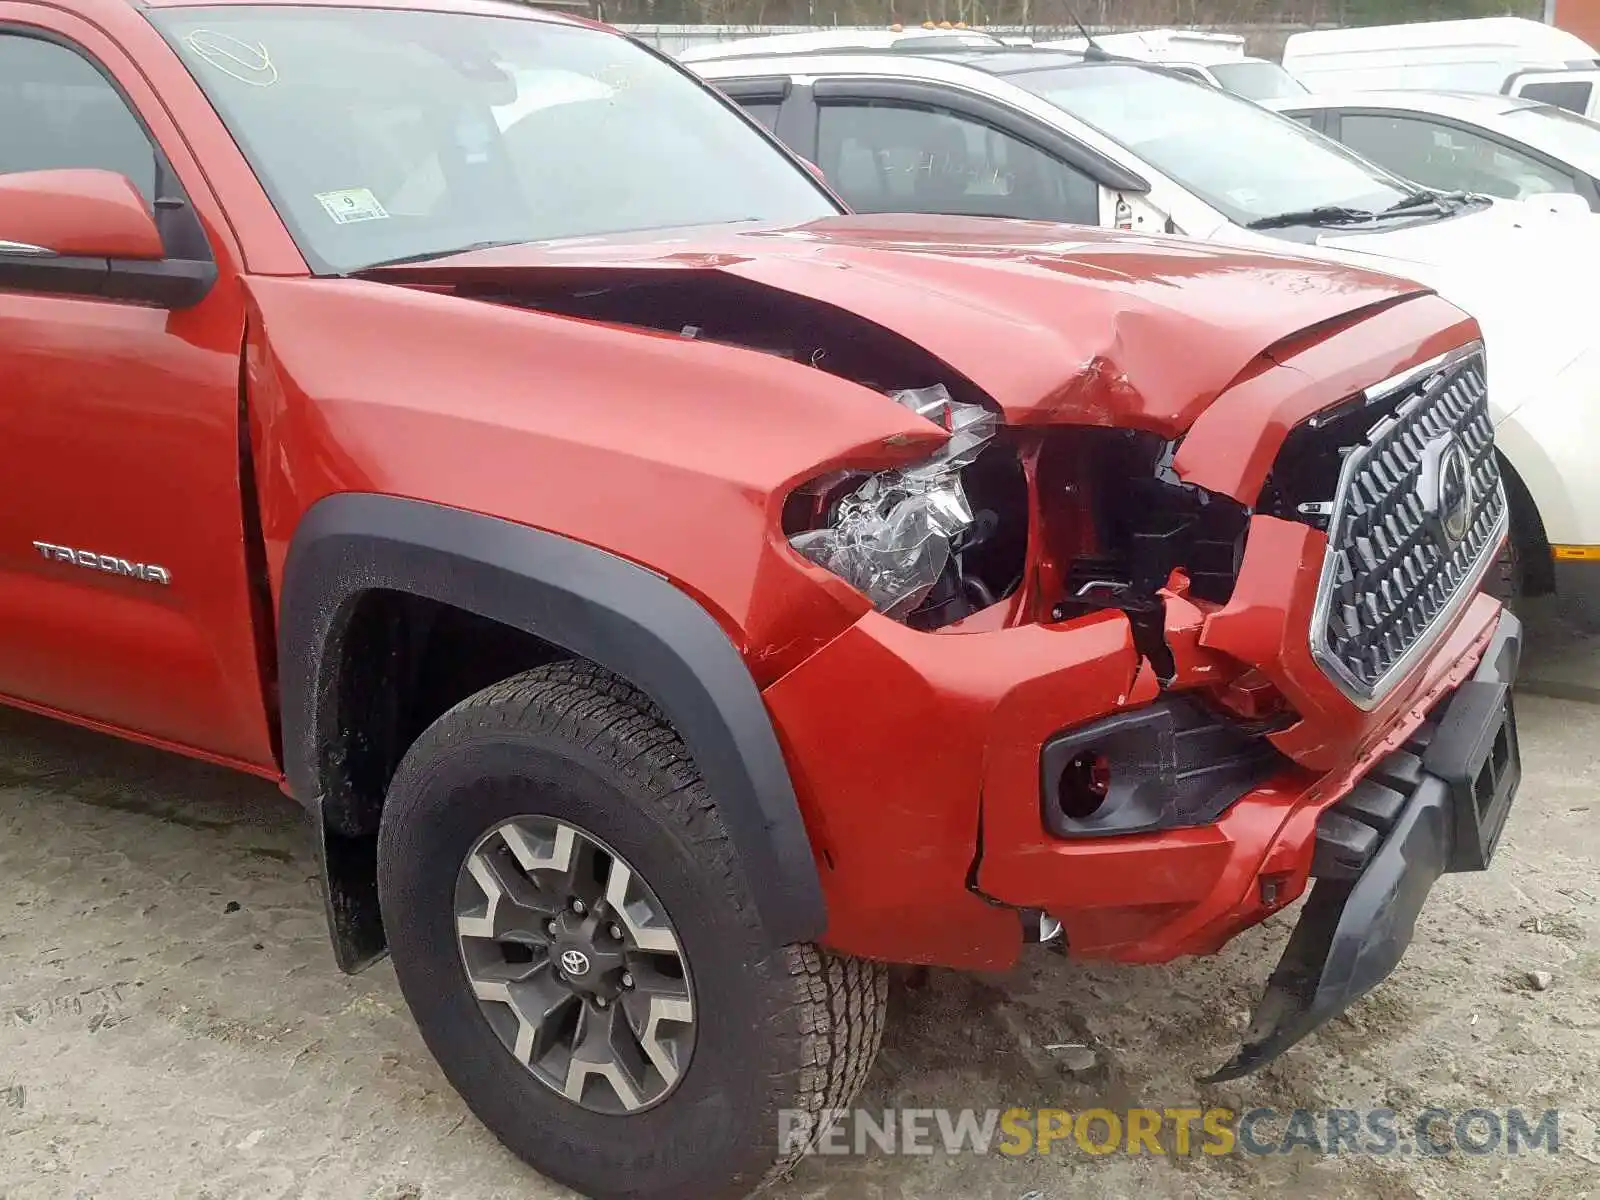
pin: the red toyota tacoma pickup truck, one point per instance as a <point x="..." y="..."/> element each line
<point x="674" y="599"/>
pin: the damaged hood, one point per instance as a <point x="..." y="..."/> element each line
<point x="1058" y="324"/>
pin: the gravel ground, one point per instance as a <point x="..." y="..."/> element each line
<point x="172" y="1025"/>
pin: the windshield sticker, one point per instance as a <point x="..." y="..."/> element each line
<point x="349" y="205"/>
<point x="248" y="62"/>
<point x="615" y="76"/>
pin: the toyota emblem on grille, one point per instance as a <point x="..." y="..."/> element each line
<point x="1445" y="488"/>
<point x="1455" y="492"/>
<point x="574" y="962"/>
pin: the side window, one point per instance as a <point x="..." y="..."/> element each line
<point x="1572" y="95"/>
<point x="57" y="111"/>
<point x="884" y="157"/>
<point x="765" y="111"/>
<point x="1443" y="156"/>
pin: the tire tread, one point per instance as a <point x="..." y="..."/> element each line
<point x="832" y="1007"/>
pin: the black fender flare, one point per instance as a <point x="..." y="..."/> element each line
<point x="613" y="612"/>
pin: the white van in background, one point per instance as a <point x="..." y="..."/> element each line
<point x="893" y="37"/>
<point x="1215" y="58"/>
<point x="1162" y="45"/>
<point x="1509" y="55"/>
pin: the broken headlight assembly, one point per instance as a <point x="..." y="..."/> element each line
<point x="900" y="536"/>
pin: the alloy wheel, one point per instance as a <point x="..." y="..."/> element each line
<point x="575" y="964"/>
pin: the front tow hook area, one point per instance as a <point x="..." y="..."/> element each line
<point x="1437" y="805"/>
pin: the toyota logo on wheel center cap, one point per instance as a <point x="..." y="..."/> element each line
<point x="574" y="962"/>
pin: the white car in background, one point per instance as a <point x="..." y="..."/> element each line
<point x="1509" y="55"/>
<point x="818" y="40"/>
<point x="1458" y="141"/>
<point x="1051" y="135"/>
<point x="1215" y="58"/>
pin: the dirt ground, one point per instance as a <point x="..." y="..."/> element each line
<point x="172" y="1025"/>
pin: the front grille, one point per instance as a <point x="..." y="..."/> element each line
<point x="1407" y="541"/>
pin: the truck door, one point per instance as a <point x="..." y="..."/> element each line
<point x="125" y="601"/>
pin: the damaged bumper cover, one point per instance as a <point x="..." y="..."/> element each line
<point x="896" y="834"/>
<point x="1434" y="806"/>
<point x="1158" y="777"/>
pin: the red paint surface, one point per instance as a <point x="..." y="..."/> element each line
<point x="915" y="755"/>
<point x="1580" y="17"/>
<point x="120" y="436"/>
<point x="1057" y="324"/>
<point x="1329" y="366"/>
<point x="83" y="214"/>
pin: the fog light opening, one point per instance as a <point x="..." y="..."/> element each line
<point x="1085" y="780"/>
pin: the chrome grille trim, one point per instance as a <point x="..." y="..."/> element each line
<point x="1387" y="569"/>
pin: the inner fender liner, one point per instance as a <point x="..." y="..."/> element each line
<point x="591" y="603"/>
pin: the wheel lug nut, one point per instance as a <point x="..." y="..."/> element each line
<point x="627" y="980"/>
<point x="616" y="932"/>
<point x="599" y="1001"/>
<point x="578" y="907"/>
<point x="550" y="928"/>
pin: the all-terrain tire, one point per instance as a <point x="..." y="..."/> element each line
<point x="783" y="1036"/>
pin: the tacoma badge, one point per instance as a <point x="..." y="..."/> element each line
<point x="110" y="563"/>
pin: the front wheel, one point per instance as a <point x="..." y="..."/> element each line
<point x="574" y="934"/>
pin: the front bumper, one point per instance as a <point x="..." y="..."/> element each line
<point x="1436" y="805"/>
<point x="916" y="760"/>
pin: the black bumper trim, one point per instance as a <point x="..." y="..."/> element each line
<point x="1170" y="765"/>
<point x="1376" y="865"/>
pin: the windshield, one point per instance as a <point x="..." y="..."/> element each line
<point x="383" y="134"/>
<point x="1241" y="159"/>
<point x="1257" y="80"/>
<point x="1573" y="139"/>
